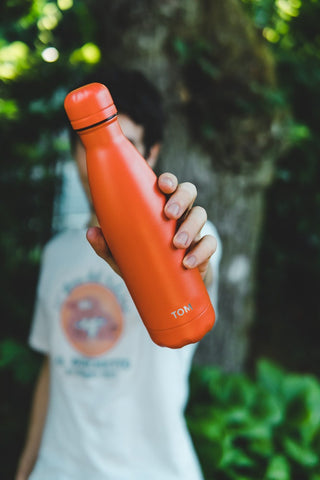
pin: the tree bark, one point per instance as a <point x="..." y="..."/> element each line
<point x="213" y="71"/>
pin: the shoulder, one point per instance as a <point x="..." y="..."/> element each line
<point x="61" y="255"/>
<point x="65" y="249"/>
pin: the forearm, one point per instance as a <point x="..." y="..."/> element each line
<point x="36" y="424"/>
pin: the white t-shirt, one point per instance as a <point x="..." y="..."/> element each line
<point x="116" y="409"/>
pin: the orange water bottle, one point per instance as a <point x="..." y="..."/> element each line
<point x="172" y="301"/>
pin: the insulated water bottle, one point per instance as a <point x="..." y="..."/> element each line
<point x="171" y="300"/>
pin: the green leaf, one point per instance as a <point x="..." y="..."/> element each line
<point x="270" y="376"/>
<point x="182" y="49"/>
<point x="211" y="430"/>
<point x="10" y="350"/>
<point x="267" y="407"/>
<point x="236" y="458"/>
<point x="278" y="469"/>
<point x="301" y="454"/>
<point x="8" y="109"/>
<point x="236" y="417"/>
<point x="18" y="359"/>
<point x="262" y="447"/>
<point x="232" y="390"/>
<point x="257" y="431"/>
<point x="209" y="67"/>
<point x="302" y="396"/>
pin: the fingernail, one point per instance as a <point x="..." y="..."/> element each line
<point x="190" y="261"/>
<point x="182" y="238"/>
<point x="168" y="181"/>
<point x="173" y="209"/>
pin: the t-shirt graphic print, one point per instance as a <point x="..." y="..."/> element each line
<point x="91" y="319"/>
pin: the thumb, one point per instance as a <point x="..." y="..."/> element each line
<point x="98" y="243"/>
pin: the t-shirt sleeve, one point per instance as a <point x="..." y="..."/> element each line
<point x="39" y="332"/>
<point x="213" y="289"/>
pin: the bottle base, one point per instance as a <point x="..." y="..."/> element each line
<point x="190" y="332"/>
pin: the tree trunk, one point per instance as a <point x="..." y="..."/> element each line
<point x="214" y="73"/>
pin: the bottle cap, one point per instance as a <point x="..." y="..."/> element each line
<point x="88" y="105"/>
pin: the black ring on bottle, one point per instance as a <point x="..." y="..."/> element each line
<point x="96" y="124"/>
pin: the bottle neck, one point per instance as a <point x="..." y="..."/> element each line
<point x="101" y="135"/>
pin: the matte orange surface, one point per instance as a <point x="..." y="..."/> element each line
<point x="172" y="301"/>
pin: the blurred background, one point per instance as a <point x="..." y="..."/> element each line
<point x="241" y="87"/>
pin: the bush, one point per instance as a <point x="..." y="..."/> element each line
<point x="264" y="429"/>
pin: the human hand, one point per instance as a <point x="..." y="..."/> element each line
<point x="190" y="219"/>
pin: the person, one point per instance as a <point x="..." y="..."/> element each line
<point x="109" y="403"/>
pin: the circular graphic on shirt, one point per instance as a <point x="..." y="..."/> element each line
<point x="91" y="319"/>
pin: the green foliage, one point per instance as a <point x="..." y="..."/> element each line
<point x="18" y="359"/>
<point x="40" y="43"/>
<point x="228" y="93"/>
<point x="289" y="266"/>
<point x="269" y="429"/>
<point x="266" y="429"/>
